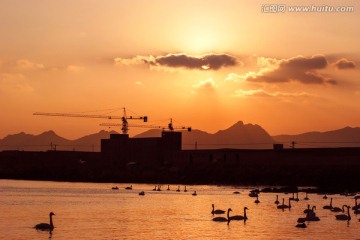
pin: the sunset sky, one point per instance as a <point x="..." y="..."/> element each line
<point x="206" y="64"/>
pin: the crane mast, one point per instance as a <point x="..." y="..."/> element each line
<point x="124" y="118"/>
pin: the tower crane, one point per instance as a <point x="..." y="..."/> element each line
<point x="124" y="125"/>
<point x="170" y="126"/>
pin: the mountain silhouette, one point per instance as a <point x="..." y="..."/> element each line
<point x="239" y="135"/>
<point x="345" y="137"/>
<point x="49" y="140"/>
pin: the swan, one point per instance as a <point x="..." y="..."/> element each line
<point x="129" y="188"/>
<point x="223" y="219"/>
<point x="283" y="206"/>
<point x="337" y="209"/>
<point x="306" y="197"/>
<point x="142" y="193"/>
<point x="277" y="199"/>
<point x="293" y="196"/>
<point x="236" y="192"/>
<point x="239" y="217"/>
<point x="297" y="197"/>
<point x="356" y="205"/>
<point x="168" y="189"/>
<point x="115" y="188"/>
<point x="328" y="206"/>
<point x="217" y="211"/>
<point x="325" y="197"/>
<point x="344" y="216"/>
<point x="194" y="194"/>
<point x="357" y="211"/>
<point x="301" y="225"/>
<point x="257" y="200"/>
<point x="159" y="188"/>
<point x="308" y="209"/>
<point x="154" y="189"/>
<point x="310" y="216"/>
<point x="178" y="190"/>
<point x="46" y="226"/>
<point x="185" y="189"/>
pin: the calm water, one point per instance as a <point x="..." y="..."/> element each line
<point x="95" y="211"/>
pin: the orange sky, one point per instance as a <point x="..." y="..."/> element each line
<point x="207" y="64"/>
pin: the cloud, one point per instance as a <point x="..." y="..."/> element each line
<point x="14" y="82"/>
<point x="300" y="69"/>
<point x="28" y="65"/>
<point x="263" y="93"/>
<point x="343" y="63"/>
<point x="207" y="85"/>
<point x="182" y="60"/>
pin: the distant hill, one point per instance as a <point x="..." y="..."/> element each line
<point x="345" y="137"/>
<point x="50" y="140"/>
<point x="239" y="135"/>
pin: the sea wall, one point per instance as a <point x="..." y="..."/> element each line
<point x="325" y="167"/>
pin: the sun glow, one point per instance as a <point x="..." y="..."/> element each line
<point x="201" y="41"/>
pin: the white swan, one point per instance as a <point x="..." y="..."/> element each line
<point x="223" y="219"/>
<point x="344" y="216"/>
<point x="239" y="217"/>
<point x="217" y="211"/>
<point x="328" y="206"/>
<point x="46" y="226"/>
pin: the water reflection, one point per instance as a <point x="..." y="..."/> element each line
<point x="95" y="211"/>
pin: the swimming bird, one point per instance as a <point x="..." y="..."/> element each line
<point x="185" y="189"/>
<point x="310" y="216"/>
<point x="168" y="189"/>
<point x="142" y="193"/>
<point x="194" y="194"/>
<point x="306" y="197"/>
<point x="325" y="197"/>
<point x="297" y="197"/>
<point x="357" y="211"/>
<point x="283" y="206"/>
<point x="301" y="225"/>
<point x="337" y="209"/>
<point x="178" y="190"/>
<point x="239" y="217"/>
<point x="257" y="200"/>
<point x="356" y="205"/>
<point x="328" y="206"/>
<point x="217" y="211"/>
<point x="344" y="216"/>
<point x="46" y="226"/>
<point x="115" y="188"/>
<point x="308" y="209"/>
<point x="277" y="199"/>
<point x="223" y="219"/>
<point x="129" y="188"/>
<point x="154" y="189"/>
<point x="236" y="192"/>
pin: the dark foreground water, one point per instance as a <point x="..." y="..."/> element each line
<point x="95" y="211"/>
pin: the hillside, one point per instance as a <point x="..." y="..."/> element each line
<point x="345" y="137"/>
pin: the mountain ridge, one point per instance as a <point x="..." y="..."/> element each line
<point x="238" y="135"/>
